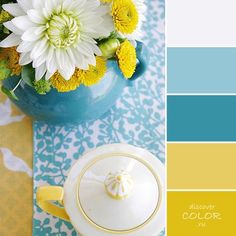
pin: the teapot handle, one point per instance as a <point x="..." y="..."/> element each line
<point x="45" y="195"/>
<point x="142" y="56"/>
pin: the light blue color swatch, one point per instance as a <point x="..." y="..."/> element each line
<point x="201" y="118"/>
<point x="201" y="70"/>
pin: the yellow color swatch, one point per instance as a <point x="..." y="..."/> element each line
<point x="201" y="213"/>
<point x="201" y="165"/>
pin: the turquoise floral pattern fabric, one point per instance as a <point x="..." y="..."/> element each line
<point x="137" y="118"/>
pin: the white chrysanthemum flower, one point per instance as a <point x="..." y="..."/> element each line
<point x="57" y="35"/>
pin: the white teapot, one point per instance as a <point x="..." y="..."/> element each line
<point x="113" y="189"/>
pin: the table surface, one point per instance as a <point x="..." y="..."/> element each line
<point x="16" y="150"/>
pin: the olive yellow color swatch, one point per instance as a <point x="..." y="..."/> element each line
<point x="16" y="148"/>
<point x="201" y="165"/>
<point x="201" y="213"/>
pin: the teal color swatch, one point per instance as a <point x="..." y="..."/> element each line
<point x="201" y="118"/>
<point x="201" y="70"/>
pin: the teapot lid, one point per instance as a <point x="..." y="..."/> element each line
<point x="117" y="191"/>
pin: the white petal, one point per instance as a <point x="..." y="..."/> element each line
<point x="66" y="67"/>
<point x="35" y="16"/>
<point x="38" y="4"/>
<point x="40" y="71"/>
<point x="84" y="49"/>
<point x="49" y="5"/>
<point x="91" y="60"/>
<point x="80" y="60"/>
<point x="49" y="75"/>
<point x="89" y="20"/>
<point x="9" y="25"/>
<point x="59" y="58"/>
<point x="67" y="72"/>
<point x="85" y="37"/>
<point x="46" y="12"/>
<point x="79" y="6"/>
<point x="96" y="49"/>
<point x="25" y="4"/>
<point x="68" y="62"/>
<point x="62" y="59"/>
<point x="39" y="48"/>
<point x="71" y="56"/>
<point x="40" y="29"/>
<point x="10" y="41"/>
<point x="14" y="9"/>
<point x="29" y="35"/>
<point x="91" y="5"/>
<point x="103" y="10"/>
<point x="25" y="46"/>
<point x="39" y="60"/>
<point x="23" y="22"/>
<point x="51" y="64"/>
<point x="24" y="59"/>
<point x="67" y="4"/>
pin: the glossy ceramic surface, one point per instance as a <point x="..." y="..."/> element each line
<point x="85" y="103"/>
<point x="91" y="210"/>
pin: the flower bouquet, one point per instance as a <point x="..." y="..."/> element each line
<point x="62" y="45"/>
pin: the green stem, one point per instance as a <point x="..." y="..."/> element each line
<point x="17" y="85"/>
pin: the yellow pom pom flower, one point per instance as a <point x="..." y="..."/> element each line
<point x="94" y="74"/>
<point x="127" y="59"/>
<point x="13" y="60"/>
<point x="125" y="16"/>
<point x="12" y="57"/>
<point x="86" y="77"/>
<point x="62" y="85"/>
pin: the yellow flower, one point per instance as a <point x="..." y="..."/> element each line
<point x="94" y="74"/>
<point x="62" y="85"/>
<point x="12" y="58"/>
<point x="87" y="77"/>
<point x="126" y="55"/>
<point x="125" y="16"/>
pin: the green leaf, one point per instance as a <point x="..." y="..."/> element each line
<point x="4" y="71"/>
<point x="9" y="93"/>
<point x="28" y="74"/>
<point x="42" y="86"/>
<point x="5" y="30"/>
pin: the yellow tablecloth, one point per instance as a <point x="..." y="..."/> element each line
<point x="15" y="170"/>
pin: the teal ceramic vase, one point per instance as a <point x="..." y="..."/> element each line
<point x="82" y="104"/>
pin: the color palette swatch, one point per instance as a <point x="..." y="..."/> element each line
<point x="201" y="119"/>
<point x="201" y="213"/>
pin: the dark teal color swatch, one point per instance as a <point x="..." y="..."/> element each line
<point x="201" y="70"/>
<point x="201" y="118"/>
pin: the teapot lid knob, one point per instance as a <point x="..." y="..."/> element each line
<point x="119" y="185"/>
